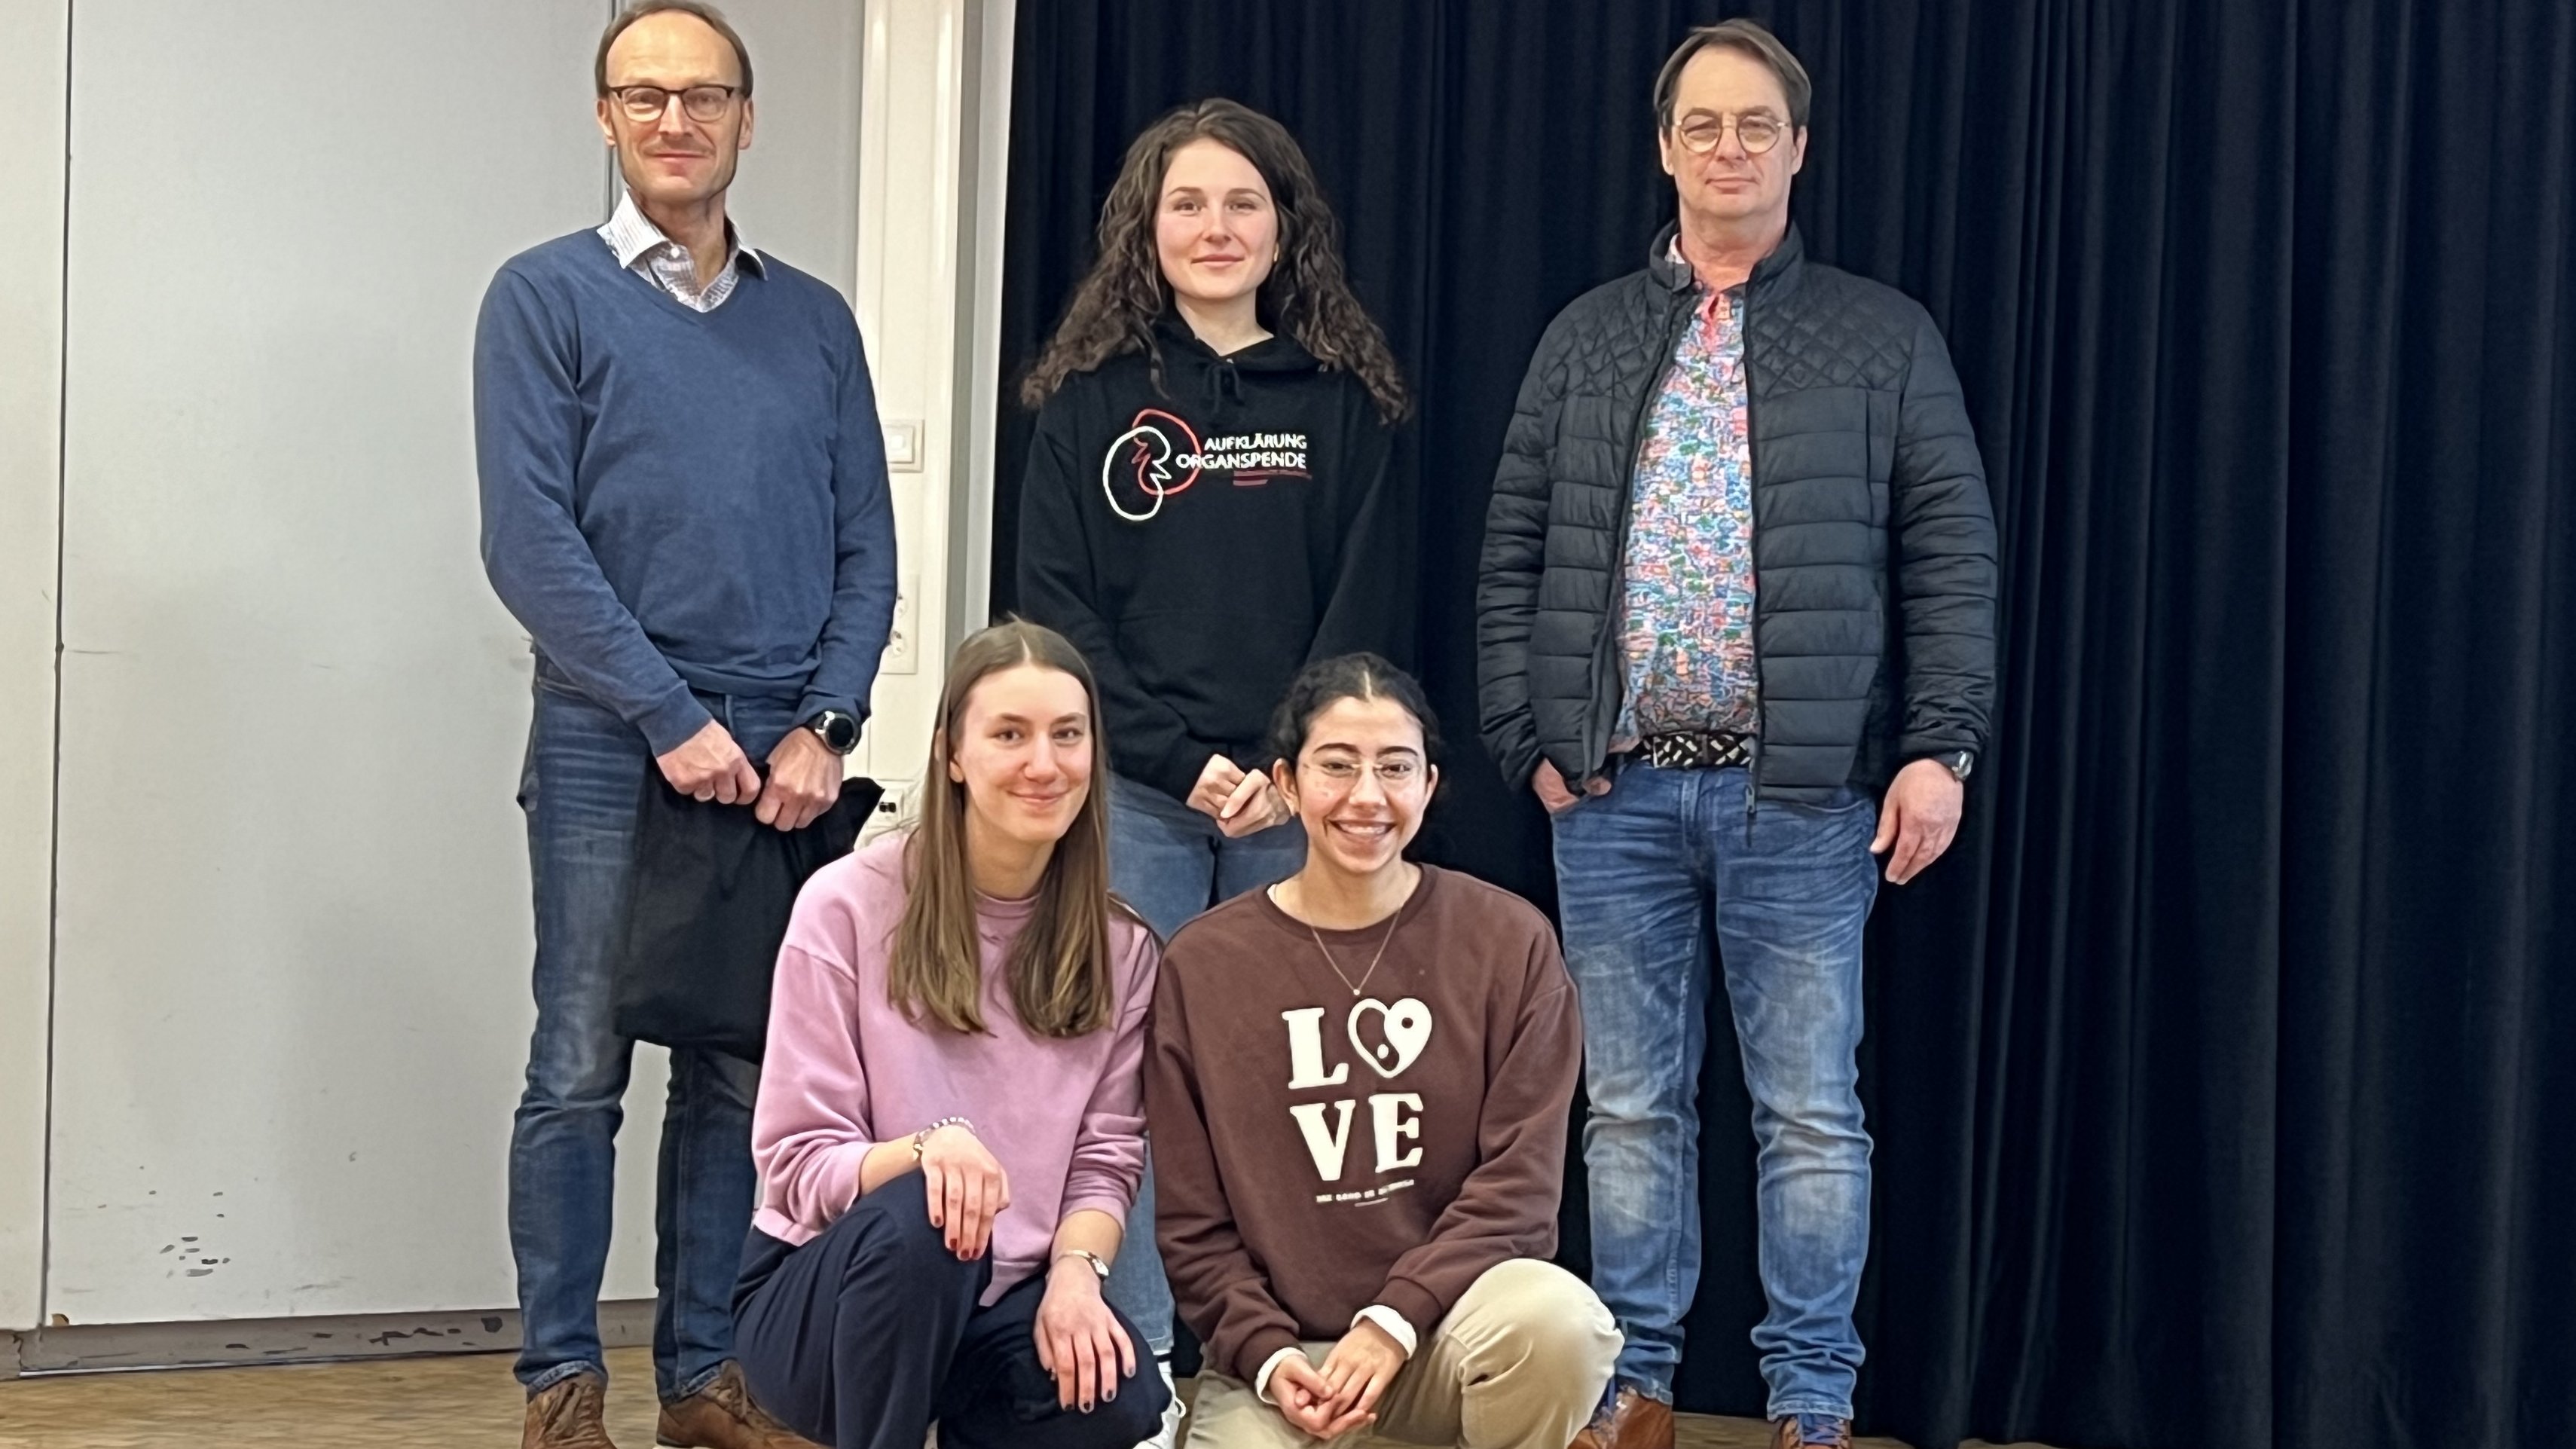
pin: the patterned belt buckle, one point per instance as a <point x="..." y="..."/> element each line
<point x="1698" y="750"/>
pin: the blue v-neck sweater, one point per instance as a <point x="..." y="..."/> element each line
<point x="677" y="499"/>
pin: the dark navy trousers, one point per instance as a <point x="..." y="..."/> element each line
<point x="869" y="1334"/>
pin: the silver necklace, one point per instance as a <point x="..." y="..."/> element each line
<point x="1362" y="984"/>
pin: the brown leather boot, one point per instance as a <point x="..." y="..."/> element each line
<point x="1784" y="1435"/>
<point x="567" y="1415"/>
<point x="722" y="1416"/>
<point x="1633" y="1421"/>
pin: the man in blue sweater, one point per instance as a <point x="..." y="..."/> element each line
<point x="684" y="502"/>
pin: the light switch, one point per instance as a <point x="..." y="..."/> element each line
<point x="903" y="445"/>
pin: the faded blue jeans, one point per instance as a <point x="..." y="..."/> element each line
<point x="1650" y="877"/>
<point x="1170" y="862"/>
<point x="585" y="767"/>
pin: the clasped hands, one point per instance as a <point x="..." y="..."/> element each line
<point x="1341" y="1394"/>
<point x="804" y="775"/>
<point x="1240" y="802"/>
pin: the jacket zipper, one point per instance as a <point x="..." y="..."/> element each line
<point x="1752" y="531"/>
<point x="1596" y="744"/>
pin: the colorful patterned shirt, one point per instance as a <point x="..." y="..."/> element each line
<point x="1688" y="637"/>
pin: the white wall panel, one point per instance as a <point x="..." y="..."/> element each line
<point x="293" y="934"/>
<point x="916" y="205"/>
<point x="292" y="942"/>
<point x="31" y="177"/>
<point x="798" y="191"/>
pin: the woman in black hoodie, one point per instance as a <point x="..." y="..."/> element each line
<point x="1207" y="510"/>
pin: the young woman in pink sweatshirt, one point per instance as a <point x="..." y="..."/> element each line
<point x="950" y="1123"/>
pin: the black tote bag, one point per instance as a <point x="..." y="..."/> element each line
<point x="712" y="891"/>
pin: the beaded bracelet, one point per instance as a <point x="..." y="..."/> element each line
<point x="921" y="1138"/>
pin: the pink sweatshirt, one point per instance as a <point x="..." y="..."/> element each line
<point x="845" y="1071"/>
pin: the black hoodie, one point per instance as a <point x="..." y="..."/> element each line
<point x="1203" y="541"/>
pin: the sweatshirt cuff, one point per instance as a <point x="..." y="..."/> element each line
<point x="858" y="1154"/>
<point x="1098" y="1202"/>
<point x="1412" y="1301"/>
<point x="1270" y="1365"/>
<point x="812" y="704"/>
<point x="1178" y="774"/>
<point x="672" y="720"/>
<point x="1259" y="1354"/>
<point x="1395" y="1325"/>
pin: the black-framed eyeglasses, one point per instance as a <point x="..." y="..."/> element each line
<point x="645" y="104"/>
<point x="1755" y="131"/>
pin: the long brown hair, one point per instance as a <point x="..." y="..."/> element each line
<point x="1305" y="296"/>
<point x="1059" y="969"/>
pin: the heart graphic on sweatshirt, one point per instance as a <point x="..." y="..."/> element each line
<point x="1406" y="1027"/>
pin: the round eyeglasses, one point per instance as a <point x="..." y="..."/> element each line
<point x="1391" y="774"/>
<point x="1755" y="131"/>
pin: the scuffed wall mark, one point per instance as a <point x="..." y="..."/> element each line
<point x="387" y="1338"/>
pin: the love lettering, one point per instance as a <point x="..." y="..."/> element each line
<point x="1400" y="1032"/>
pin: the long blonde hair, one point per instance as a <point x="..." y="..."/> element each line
<point x="1059" y="970"/>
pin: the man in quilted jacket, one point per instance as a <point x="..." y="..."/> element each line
<point x="1736" y="631"/>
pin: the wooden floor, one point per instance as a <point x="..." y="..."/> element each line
<point x="422" y="1403"/>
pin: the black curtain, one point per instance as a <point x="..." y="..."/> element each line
<point x="2224" y="1077"/>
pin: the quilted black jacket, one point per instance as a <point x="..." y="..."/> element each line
<point x="1873" y="541"/>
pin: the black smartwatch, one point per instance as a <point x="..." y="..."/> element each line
<point x="839" y="732"/>
<point x="1958" y="762"/>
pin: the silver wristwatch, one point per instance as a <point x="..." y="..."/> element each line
<point x="1099" y="1267"/>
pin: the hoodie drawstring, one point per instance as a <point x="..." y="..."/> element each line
<point x="1224" y="382"/>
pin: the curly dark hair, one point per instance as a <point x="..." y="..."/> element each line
<point x="1327" y="682"/>
<point x="1305" y="296"/>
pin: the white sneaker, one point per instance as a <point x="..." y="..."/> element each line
<point x="1168" y="1436"/>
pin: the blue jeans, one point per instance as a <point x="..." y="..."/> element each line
<point x="1649" y="877"/>
<point x="1170" y="862"/>
<point x="584" y="769"/>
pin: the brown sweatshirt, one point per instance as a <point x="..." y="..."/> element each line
<point x="1317" y="1151"/>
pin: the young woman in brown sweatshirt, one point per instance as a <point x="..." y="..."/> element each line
<point x="1357" y="1088"/>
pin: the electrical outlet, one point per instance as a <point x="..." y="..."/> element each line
<point x="903" y="646"/>
<point x="894" y="809"/>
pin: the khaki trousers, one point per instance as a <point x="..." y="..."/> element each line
<point x="1519" y="1363"/>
